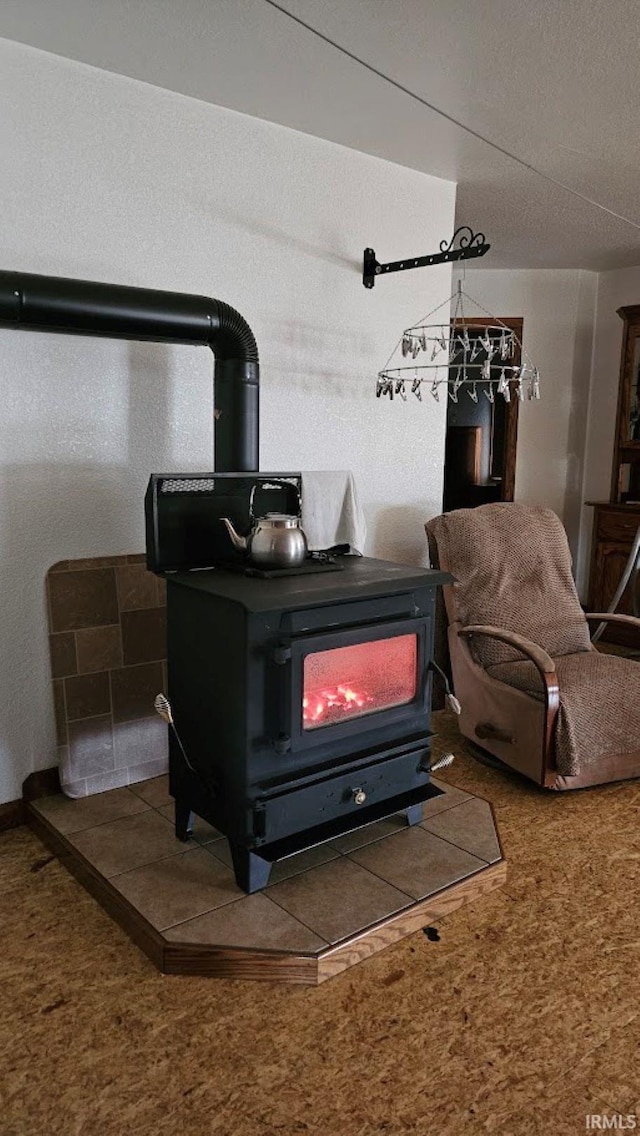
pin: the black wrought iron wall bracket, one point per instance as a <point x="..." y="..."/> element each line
<point x="469" y="244"/>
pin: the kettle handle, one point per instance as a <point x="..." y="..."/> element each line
<point x="272" y="481"/>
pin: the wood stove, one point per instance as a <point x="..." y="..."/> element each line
<point x="301" y="704"/>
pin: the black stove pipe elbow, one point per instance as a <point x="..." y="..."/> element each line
<point x="84" y="307"/>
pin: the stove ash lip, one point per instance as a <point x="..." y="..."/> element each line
<point x="33" y="302"/>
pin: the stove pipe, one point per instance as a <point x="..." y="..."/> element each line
<point x="84" y="307"/>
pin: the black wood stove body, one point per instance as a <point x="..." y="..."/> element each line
<point x="301" y="704"/>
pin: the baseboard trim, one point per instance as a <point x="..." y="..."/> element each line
<point x="12" y="815"/>
<point x="42" y="783"/>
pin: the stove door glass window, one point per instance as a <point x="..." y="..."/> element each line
<point x="349" y="682"/>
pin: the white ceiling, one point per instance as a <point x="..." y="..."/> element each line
<point x="554" y="82"/>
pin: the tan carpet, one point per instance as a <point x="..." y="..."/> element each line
<point x="522" y="1019"/>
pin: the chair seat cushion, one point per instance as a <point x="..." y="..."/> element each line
<point x="599" y="705"/>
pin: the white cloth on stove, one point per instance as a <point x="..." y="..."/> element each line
<point x="331" y="511"/>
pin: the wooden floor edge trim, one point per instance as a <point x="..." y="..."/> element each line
<point x="408" y="921"/>
<point x="232" y="962"/>
<point x="12" y="815"/>
<point x="131" y="921"/>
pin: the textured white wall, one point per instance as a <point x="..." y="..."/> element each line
<point x="106" y="178"/>
<point x="557" y="306"/>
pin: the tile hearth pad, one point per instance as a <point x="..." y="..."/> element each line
<point x="324" y="909"/>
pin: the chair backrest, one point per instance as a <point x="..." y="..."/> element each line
<point x="513" y="570"/>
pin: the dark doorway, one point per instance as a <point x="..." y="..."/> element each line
<point x="481" y="439"/>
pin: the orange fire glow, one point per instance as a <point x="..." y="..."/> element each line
<point x="343" y="698"/>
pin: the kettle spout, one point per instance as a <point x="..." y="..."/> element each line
<point x="239" y="542"/>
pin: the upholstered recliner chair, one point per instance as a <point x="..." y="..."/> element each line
<point x="533" y="690"/>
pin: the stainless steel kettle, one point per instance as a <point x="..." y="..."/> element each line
<point x="275" y="541"/>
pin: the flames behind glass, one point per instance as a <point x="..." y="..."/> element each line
<point x="349" y="682"/>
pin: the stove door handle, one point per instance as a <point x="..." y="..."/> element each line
<point x="282" y="744"/>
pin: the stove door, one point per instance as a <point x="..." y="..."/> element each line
<point x="350" y="682"/>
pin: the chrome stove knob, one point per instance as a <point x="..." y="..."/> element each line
<point x="359" y="796"/>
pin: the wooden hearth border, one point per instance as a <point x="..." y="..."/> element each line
<point x="202" y="960"/>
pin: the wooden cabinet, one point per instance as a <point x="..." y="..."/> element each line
<point x="616" y="522"/>
<point x="615" y="526"/>
<point x="625" y="481"/>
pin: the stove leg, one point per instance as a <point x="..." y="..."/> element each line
<point x="184" y="820"/>
<point x="252" y="872"/>
<point x="414" y="814"/>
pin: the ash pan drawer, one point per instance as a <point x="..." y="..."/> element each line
<point x="331" y="798"/>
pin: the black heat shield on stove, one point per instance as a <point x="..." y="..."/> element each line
<point x="114" y="311"/>
<point x="184" y="511"/>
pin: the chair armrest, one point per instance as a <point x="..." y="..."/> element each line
<point x="547" y="671"/>
<point x="538" y="655"/>
<point x="611" y="617"/>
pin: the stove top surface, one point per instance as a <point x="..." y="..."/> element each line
<point x="307" y="568"/>
<point x="361" y="577"/>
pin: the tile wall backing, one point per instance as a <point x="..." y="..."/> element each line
<point x="107" y="633"/>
